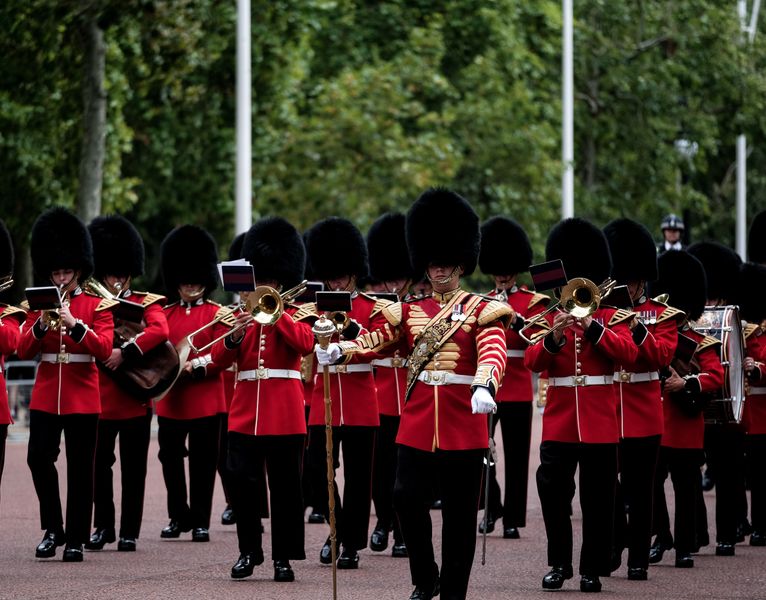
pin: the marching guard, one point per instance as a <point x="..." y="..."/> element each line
<point x="267" y="429"/>
<point x="192" y="408"/>
<point x="506" y="253"/>
<point x="639" y="410"/>
<point x="456" y="345"/>
<point x="119" y="257"/>
<point x="65" y="396"/>
<point x="580" y="427"/>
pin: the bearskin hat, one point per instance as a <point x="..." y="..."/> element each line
<point x="6" y="251"/>
<point x="442" y="229"/>
<point x="235" y="250"/>
<point x="505" y="247"/>
<point x="582" y="247"/>
<point x="721" y="267"/>
<point x="60" y="240"/>
<point x="387" y="248"/>
<point x="188" y="254"/>
<point x="275" y="249"/>
<point x="682" y="277"/>
<point x="751" y="292"/>
<point x="336" y="248"/>
<point x="634" y="255"/>
<point x="756" y="239"/>
<point x="117" y="247"/>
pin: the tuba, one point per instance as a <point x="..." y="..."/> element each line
<point x="143" y="377"/>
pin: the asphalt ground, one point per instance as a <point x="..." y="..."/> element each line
<point x="185" y="570"/>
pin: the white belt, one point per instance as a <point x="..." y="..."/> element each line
<point x="579" y="380"/>
<point x="444" y="378"/>
<point x="625" y="377"/>
<point x="66" y="357"/>
<point x="391" y="363"/>
<point x="756" y="390"/>
<point x="263" y="373"/>
<point x="350" y="368"/>
<point x="514" y="353"/>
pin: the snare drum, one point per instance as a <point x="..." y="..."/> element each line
<point x="723" y="323"/>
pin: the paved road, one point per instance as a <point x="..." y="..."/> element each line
<point x="182" y="569"/>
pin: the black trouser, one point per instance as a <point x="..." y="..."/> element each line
<point x="43" y="450"/>
<point x="3" y="436"/>
<point x="309" y="479"/>
<point x="728" y="462"/>
<point x="637" y="460"/>
<point x="223" y="445"/>
<point x="384" y="474"/>
<point x="457" y="474"/>
<point x="134" y="449"/>
<point x="556" y="487"/>
<point x="203" y="458"/>
<point x="516" y="426"/>
<point x="280" y="456"/>
<point x="352" y="517"/>
<point x="683" y="465"/>
<point x="756" y="458"/>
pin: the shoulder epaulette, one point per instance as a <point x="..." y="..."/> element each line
<point x="149" y="298"/>
<point x="621" y="315"/>
<point x="213" y="302"/>
<point x="393" y="313"/>
<point x="493" y="311"/>
<point x="380" y="304"/>
<point x="537" y="299"/>
<point x="750" y="329"/>
<point x="671" y="313"/>
<point x="708" y="342"/>
<point x="307" y="311"/>
<point x="14" y="312"/>
<point x="106" y="304"/>
<point x="24" y="305"/>
<point x="226" y="316"/>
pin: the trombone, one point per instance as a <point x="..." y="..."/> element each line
<point x="265" y="306"/>
<point x="580" y="298"/>
<point x="6" y="282"/>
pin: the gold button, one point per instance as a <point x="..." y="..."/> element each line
<point x="260" y="362"/>
<point x="578" y="371"/>
<point x="436" y="365"/>
<point x="579" y="364"/>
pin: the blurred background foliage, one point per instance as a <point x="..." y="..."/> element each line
<point x="360" y="105"/>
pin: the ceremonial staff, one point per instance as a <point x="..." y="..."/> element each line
<point x="324" y="328"/>
<point x="489" y="461"/>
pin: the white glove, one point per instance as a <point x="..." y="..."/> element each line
<point x="482" y="402"/>
<point x="329" y="355"/>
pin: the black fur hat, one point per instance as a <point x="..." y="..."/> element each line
<point x="387" y="248"/>
<point x="6" y="251"/>
<point x="721" y="267"/>
<point x="442" y="229"/>
<point x="117" y="247"/>
<point x="505" y="247"/>
<point x="275" y="249"/>
<point x="751" y="292"/>
<point x="336" y="248"/>
<point x="235" y="250"/>
<point x="634" y="255"/>
<point x="582" y="247"/>
<point x="682" y="277"/>
<point x="60" y="240"/>
<point x="756" y="239"/>
<point x="188" y="254"/>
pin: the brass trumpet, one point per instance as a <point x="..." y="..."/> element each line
<point x="580" y="298"/>
<point x="264" y="304"/>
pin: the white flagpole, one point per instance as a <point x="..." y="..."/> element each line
<point x="244" y="189"/>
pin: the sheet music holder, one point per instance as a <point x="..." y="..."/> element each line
<point x="237" y="275"/>
<point x="43" y="298"/>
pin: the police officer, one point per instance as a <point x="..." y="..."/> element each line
<point x="672" y="227"/>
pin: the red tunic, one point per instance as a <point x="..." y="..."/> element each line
<point x="754" y="416"/>
<point x="353" y="395"/>
<point x="116" y="403"/>
<point x="10" y="333"/>
<point x="69" y="388"/>
<point x="639" y="407"/>
<point x="682" y="430"/>
<point x="194" y="398"/>
<point x="517" y="383"/>
<point x="273" y="405"/>
<point x="584" y="413"/>
<point x="391" y="382"/>
<point x="439" y="416"/>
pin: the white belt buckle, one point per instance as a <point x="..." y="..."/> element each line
<point x="437" y="377"/>
<point x="62" y="357"/>
<point x="625" y="377"/>
<point x="261" y="373"/>
<point x="580" y="379"/>
<point x="396" y="363"/>
<point x="341" y="368"/>
<point x="426" y="376"/>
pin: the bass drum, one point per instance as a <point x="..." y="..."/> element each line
<point x="723" y="323"/>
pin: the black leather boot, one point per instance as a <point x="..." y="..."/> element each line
<point x="100" y="538"/>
